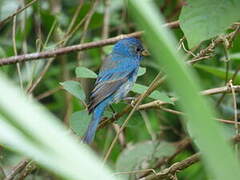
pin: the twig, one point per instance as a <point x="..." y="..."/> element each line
<point x="204" y="53"/>
<point x="75" y="17"/>
<point x="86" y="25"/>
<point x="105" y="28"/>
<point x="48" y="93"/>
<point x="17" y="12"/>
<point x="235" y="113"/>
<point x="233" y="78"/>
<point x="30" y="167"/>
<point x="174" y="168"/>
<point x="135" y="171"/>
<point x="68" y="49"/>
<point x="15" y="50"/>
<point x="121" y="137"/>
<point x="181" y="113"/>
<point x="18" y="168"/>
<point x="224" y="89"/>
<point x="180" y="146"/>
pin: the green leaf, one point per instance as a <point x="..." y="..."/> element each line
<point x="139" y="88"/>
<point x="74" y="88"/>
<point x="134" y="157"/>
<point x="141" y="71"/>
<point x="218" y="72"/>
<point x="203" y="19"/>
<point x="209" y="138"/>
<point x="79" y="122"/>
<point x="83" y="72"/>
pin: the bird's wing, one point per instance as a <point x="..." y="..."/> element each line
<point x="107" y="84"/>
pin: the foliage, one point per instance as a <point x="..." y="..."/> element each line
<point x="157" y="135"/>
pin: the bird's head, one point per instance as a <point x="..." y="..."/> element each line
<point x="130" y="47"/>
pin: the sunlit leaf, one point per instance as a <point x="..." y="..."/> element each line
<point x="83" y="72"/>
<point x="203" y="19"/>
<point x="74" y="88"/>
<point x="141" y="71"/>
<point x="79" y="122"/>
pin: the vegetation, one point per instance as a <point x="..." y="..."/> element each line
<point x="183" y="122"/>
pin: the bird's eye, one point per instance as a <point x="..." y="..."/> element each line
<point x="138" y="49"/>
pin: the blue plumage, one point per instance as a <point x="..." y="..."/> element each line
<point x="115" y="79"/>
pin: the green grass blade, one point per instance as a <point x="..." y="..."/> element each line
<point x="28" y="128"/>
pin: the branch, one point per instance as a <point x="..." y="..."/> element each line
<point x="18" y="168"/>
<point x="174" y="168"/>
<point x="180" y="146"/>
<point x="224" y="89"/>
<point x="74" y="48"/>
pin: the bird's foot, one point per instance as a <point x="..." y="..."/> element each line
<point x="114" y="113"/>
<point x="130" y="100"/>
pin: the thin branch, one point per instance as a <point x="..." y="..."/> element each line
<point x="15" y="50"/>
<point x="18" y="168"/>
<point x="181" y="113"/>
<point x="174" y="168"/>
<point x="30" y="167"/>
<point x="68" y="49"/>
<point x="204" y="53"/>
<point x="235" y="114"/>
<point x="224" y="89"/>
<point x="17" y="12"/>
<point x="180" y="147"/>
<point x="48" y="93"/>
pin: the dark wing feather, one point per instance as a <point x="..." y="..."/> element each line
<point x="104" y="90"/>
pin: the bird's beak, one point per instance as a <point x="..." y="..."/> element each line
<point x="145" y="53"/>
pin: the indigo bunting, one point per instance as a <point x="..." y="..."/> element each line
<point x="115" y="79"/>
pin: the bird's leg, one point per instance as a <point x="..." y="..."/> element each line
<point x="130" y="100"/>
<point x="113" y="111"/>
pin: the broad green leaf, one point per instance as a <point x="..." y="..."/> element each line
<point x="79" y="122"/>
<point x="141" y="71"/>
<point x="139" y="88"/>
<point x="74" y="88"/>
<point x="134" y="157"/>
<point x="218" y="72"/>
<point x="209" y="137"/>
<point x="203" y="19"/>
<point x="83" y="72"/>
<point x="27" y="128"/>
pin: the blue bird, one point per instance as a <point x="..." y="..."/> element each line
<point x="115" y="79"/>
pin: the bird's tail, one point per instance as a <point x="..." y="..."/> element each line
<point x="96" y="117"/>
